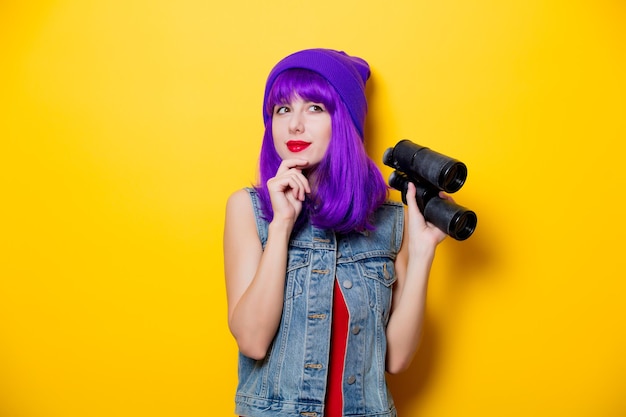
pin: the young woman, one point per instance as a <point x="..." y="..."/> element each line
<point x="326" y="281"/>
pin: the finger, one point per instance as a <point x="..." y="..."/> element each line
<point x="295" y="203"/>
<point x="415" y="215"/>
<point x="411" y="193"/>
<point x="297" y="177"/>
<point x="445" y="196"/>
<point x="304" y="182"/>
<point x="297" y="184"/>
<point x="288" y="164"/>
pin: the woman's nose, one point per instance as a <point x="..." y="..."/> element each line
<point x="296" y="122"/>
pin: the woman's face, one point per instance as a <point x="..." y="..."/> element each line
<point x="301" y="129"/>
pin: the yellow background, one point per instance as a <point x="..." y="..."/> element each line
<point x="125" y="125"/>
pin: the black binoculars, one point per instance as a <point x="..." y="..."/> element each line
<point x="431" y="172"/>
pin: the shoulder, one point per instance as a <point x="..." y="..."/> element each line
<point x="391" y="209"/>
<point x="239" y="199"/>
<point x="239" y="207"/>
<point x="246" y="197"/>
<point x="241" y="220"/>
<point x="388" y="227"/>
<point x="392" y="217"/>
<point x="391" y="204"/>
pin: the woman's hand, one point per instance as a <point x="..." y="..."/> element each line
<point x="423" y="235"/>
<point x="288" y="190"/>
<point x="412" y="266"/>
<point x="255" y="276"/>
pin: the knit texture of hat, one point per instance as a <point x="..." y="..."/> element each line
<point x="347" y="74"/>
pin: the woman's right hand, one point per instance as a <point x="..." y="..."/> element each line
<point x="288" y="190"/>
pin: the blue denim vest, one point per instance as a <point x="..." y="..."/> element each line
<point x="291" y="379"/>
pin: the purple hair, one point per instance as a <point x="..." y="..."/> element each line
<point x="349" y="187"/>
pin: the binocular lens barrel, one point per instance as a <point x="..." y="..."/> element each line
<point x="456" y="221"/>
<point x="440" y="170"/>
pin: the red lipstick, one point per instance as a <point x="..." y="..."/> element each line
<point x="297" y="145"/>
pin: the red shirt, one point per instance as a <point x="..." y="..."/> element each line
<point x="338" y="341"/>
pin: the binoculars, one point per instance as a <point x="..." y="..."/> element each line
<point x="431" y="172"/>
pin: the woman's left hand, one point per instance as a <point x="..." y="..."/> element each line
<point x="423" y="235"/>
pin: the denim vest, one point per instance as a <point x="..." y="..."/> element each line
<point x="291" y="379"/>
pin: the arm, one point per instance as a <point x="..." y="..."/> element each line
<point x="255" y="278"/>
<point x="413" y="265"/>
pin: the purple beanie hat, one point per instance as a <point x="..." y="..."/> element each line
<point x="347" y="74"/>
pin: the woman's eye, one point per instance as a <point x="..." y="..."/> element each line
<point x="316" y="108"/>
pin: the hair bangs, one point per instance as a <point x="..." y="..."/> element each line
<point x="307" y="85"/>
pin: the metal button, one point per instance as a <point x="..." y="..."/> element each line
<point x="347" y="284"/>
<point x="356" y="329"/>
<point x="351" y="379"/>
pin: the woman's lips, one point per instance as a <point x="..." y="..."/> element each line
<point x="297" y="145"/>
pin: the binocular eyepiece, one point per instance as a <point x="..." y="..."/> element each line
<point x="431" y="172"/>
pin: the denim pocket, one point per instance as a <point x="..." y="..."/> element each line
<point x="380" y="269"/>
<point x="297" y="263"/>
<point x="381" y="274"/>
